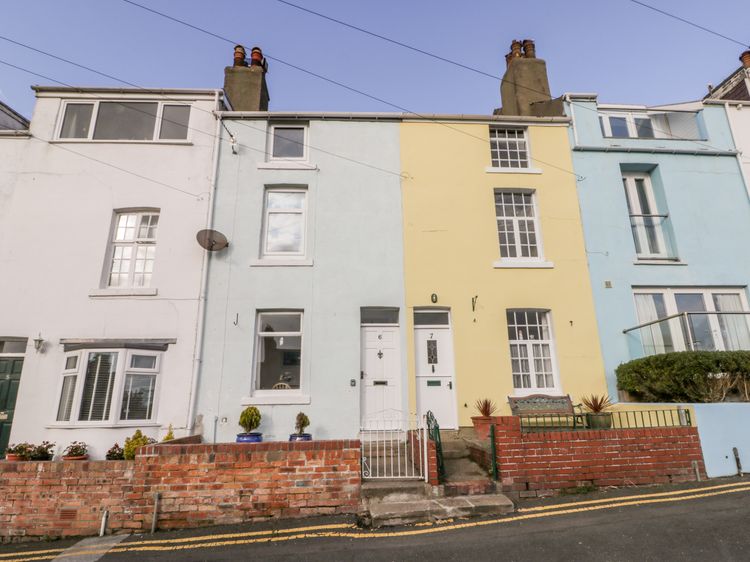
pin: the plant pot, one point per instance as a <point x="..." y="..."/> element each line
<point x="600" y="420"/>
<point x="252" y="437"/>
<point x="45" y="458"/>
<point x="300" y="437"/>
<point x="75" y="457"/>
<point x="14" y="458"/>
<point x="482" y="426"/>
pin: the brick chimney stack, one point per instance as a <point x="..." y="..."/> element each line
<point x="244" y="85"/>
<point x="525" y="86"/>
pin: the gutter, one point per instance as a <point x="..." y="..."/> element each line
<point x="198" y="344"/>
<point x="385" y="116"/>
<point x="656" y="150"/>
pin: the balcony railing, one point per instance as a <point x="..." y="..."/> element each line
<point x="691" y="331"/>
<point x="652" y="235"/>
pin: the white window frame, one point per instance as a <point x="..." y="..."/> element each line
<point x="95" y="113"/>
<point x="529" y="343"/>
<point x="524" y="165"/>
<point x="272" y="136"/>
<point x="279" y="396"/>
<point x="670" y="305"/>
<point x="129" y="370"/>
<point x="304" y="211"/>
<point x="135" y="244"/>
<point x="121" y="370"/>
<point x="636" y="212"/>
<point x="630" y="117"/>
<point x="520" y="260"/>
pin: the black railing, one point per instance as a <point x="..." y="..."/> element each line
<point x="433" y="429"/>
<point x="619" y="419"/>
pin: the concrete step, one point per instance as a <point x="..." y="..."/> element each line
<point x="394" y="491"/>
<point x="464" y="469"/>
<point x="383" y="514"/>
<point x="455" y="449"/>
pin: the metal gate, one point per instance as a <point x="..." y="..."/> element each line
<point x="394" y="447"/>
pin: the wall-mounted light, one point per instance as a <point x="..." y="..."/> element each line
<point x="38" y="343"/>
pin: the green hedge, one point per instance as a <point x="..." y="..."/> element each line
<point x="687" y="376"/>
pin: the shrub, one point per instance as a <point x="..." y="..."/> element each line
<point x="115" y="453"/>
<point x="170" y="434"/>
<point x="250" y="418"/>
<point x="133" y="443"/>
<point x="76" y="449"/>
<point x="41" y="452"/>
<point x="596" y="404"/>
<point x="485" y="407"/>
<point x="687" y="376"/>
<point x="301" y="423"/>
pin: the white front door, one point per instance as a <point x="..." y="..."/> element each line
<point x="433" y="343"/>
<point x="380" y="377"/>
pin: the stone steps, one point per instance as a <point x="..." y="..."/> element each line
<point x="437" y="509"/>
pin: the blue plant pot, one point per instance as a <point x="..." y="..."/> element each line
<point x="252" y="437"/>
<point x="300" y="437"/>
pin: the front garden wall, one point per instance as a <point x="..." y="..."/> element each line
<point x="197" y="485"/>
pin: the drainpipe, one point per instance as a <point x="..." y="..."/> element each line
<point x="739" y="152"/>
<point x="572" y="119"/>
<point x="198" y="344"/>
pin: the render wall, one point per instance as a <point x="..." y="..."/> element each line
<point x="198" y="485"/>
<point x="354" y="259"/>
<point x="708" y="210"/>
<point x="57" y="202"/>
<point x="451" y="246"/>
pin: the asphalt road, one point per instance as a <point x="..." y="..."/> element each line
<point x="707" y="523"/>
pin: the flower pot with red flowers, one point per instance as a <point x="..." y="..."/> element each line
<point x="43" y="452"/>
<point x="20" y="452"/>
<point x="76" y="451"/>
<point x="484" y="420"/>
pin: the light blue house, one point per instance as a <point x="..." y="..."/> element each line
<point x="666" y="219"/>
<point x="305" y="306"/>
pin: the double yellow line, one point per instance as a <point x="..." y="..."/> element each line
<point x="346" y="530"/>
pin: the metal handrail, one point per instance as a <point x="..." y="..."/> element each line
<point x="684" y="315"/>
<point x="433" y="430"/>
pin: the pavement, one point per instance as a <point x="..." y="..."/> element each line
<point x="708" y="521"/>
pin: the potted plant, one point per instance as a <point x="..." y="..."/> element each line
<point x="18" y="452"/>
<point x="300" y="423"/>
<point x="41" y="452"/>
<point x="76" y="451"/>
<point x="483" y="421"/>
<point x="115" y="453"/>
<point x="597" y="417"/>
<point x="249" y="420"/>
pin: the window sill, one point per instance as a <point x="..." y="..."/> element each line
<point x="121" y="141"/>
<point x="659" y="262"/>
<point x="272" y="165"/>
<point x="493" y="170"/>
<point x="271" y="262"/>
<point x="129" y="292"/>
<point x="507" y="264"/>
<point x="103" y="425"/>
<point x="278" y="398"/>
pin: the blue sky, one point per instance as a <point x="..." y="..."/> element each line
<point x="626" y="53"/>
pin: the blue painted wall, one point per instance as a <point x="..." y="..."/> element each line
<point x="722" y="427"/>
<point x="355" y="241"/>
<point x="708" y="209"/>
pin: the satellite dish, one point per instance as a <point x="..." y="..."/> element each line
<point x="212" y="240"/>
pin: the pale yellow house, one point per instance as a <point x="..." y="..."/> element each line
<point x="497" y="287"/>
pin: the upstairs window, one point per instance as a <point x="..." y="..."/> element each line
<point x="508" y="148"/>
<point x="517" y="226"/>
<point x="679" y="125"/>
<point x="284" y="223"/>
<point x="531" y="350"/>
<point x="649" y="226"/>
<point x="121" y="120"/>
<point x="133" y="249"/>
<point x="288" y="142"/>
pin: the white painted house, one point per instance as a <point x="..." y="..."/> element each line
<point x="101" y="275"/>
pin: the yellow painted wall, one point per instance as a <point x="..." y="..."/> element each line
<point x="451" y="243"/>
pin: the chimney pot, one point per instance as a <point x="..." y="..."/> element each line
<point x="745" y="58"/>
<point x="529" y="49"/>
<point x="256" y="57"/>
<point x="515" y="48"/>
<point x="239" y="56"/>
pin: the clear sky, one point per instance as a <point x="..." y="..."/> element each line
<point x="622" y="51"/>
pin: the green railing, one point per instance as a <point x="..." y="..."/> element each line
<point x="433" y="429"/>
<point x="617" y="419"/>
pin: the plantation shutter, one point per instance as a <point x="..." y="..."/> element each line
<point x="97" y="387"/>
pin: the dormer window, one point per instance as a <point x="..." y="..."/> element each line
<point x="651" y="124"/>
<point x="627" y="125"/>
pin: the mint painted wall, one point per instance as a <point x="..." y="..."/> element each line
<point x="355" y="243"/>
<point x="708" y="209"/>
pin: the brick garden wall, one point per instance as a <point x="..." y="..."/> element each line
<point x="198" y="485"/>
<point x="539" y="463"/>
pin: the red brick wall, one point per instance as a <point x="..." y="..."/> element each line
<point x="198" y="485"/>
<point x="534" y="463"/>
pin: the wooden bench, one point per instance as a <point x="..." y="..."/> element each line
<point x="545" y="408"/>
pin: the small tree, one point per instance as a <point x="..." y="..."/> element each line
<point x="250" y="419"/>
<point x="170" y="434"/>
<point x="301" y="423"/>
<point x="133" y="443"/>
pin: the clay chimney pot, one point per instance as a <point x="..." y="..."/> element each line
<point x="529" y="49"/>
<point x="745" y="58"/>
<point x="239" y="56"/>
<point x="515" y="48"/>
<point x="256" y="57"/>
